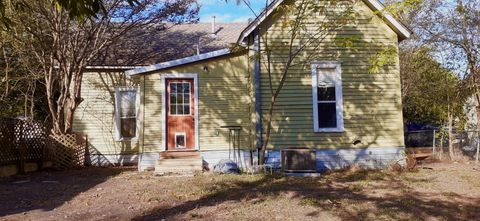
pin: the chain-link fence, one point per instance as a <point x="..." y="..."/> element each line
<point x="465" y="144"/>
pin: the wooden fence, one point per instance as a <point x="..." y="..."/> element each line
<point x="24" y="141"/>
<point x="69" y="150"/>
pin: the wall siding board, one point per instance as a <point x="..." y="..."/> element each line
<point x="95" y="117"/>
<point x="224" y="99"/>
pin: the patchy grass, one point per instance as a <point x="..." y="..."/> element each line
<point x="473" y="180"/>
<point x="448" y="192"/>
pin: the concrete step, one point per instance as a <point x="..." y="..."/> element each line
<point x="179" y="154"/>
<point x="178" y="168"/>
<point x="179" y="162"/>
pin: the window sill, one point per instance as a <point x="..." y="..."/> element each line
<point x="332" y="130"/>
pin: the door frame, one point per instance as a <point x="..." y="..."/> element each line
<point x="163" y="90"/>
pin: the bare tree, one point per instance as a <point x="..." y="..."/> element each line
<point x="19" y="81"/>
<point x="64" y="47"/>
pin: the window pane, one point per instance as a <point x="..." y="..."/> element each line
<point x="173" y="99"/>
<point x="326" y="75"/>
<point x="326" y="93"/>
<point x="128" y="127"/>
<point x="127" y="103"/>
<point x="173" y="109"/>
<point x="327" y="115"/>
<point x="186" y="109"/>
<point x="186" y="87"/>
<point x="179" y="98"/>
<point x="179" y="109"/>
<point x="173" y="87"/>
<point x="179" y="87"/>
<point x="186" y="98"/>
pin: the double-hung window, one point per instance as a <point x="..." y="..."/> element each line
<point x="126" y="112"/>
<point x="327" y="97"/>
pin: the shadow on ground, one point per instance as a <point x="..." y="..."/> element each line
<point x="48" y="190"/>
<point x="334" y="195"/>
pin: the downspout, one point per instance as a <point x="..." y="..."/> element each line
<point x="258" y="94"/>
<point x="141" y="142"/>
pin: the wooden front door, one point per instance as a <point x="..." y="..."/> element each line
<point x="180" y="116"/>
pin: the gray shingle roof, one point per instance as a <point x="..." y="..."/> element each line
<point x="156" y="45"/>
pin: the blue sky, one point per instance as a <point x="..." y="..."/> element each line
<point x="228" y="12"/>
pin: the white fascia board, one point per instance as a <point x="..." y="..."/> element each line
<point x="111" y="67"/>
<point x="106" y="67"/>
<point x="255" y="23"/>
<point x="178" y="62"/>
<point x="397" y="26"/>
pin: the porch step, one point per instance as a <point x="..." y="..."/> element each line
<point x="179" y="162"/>
<point x="179" y="154"/>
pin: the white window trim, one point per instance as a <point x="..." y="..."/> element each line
<point x="338" y="94"/>
<point x="118" y="136"/>
<point x="163" y="91"/>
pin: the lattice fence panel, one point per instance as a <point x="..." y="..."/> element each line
<point x="21" y="141"/>
<point x="31" y="140"/>
<point x="8" y="149"/>
<point x="69" y="150"/>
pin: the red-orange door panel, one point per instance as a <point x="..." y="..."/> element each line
<point x="180" y="114"/>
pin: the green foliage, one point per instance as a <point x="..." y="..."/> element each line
<point x="80" y="8"/>
<point x="387" y="56"/>
<point x="396" y="7"/>
<point x="348" y="42"/>
<point x="429" y="91"/>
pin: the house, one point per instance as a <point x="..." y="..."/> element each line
<point x="196" y="108"/>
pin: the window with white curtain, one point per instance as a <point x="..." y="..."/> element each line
<point x="126" y="111"/>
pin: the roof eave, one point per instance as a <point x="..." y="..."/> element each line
<point x="255" y="23"/>
<point x="111" y="67"/>
<point x="178" y="62"/>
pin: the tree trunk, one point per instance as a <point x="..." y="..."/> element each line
<point x="477" y="98"/>
<point x="450" y="136"/>
<point x="442" y="147"/>
<point x="261" y="155"/>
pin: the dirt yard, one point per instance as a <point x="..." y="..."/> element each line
<point x="436" y="192"/>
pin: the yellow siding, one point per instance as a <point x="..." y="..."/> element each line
<point x="223" y="100"/>
<point x="372" y="102"/>
<point x="95" y="116"/>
